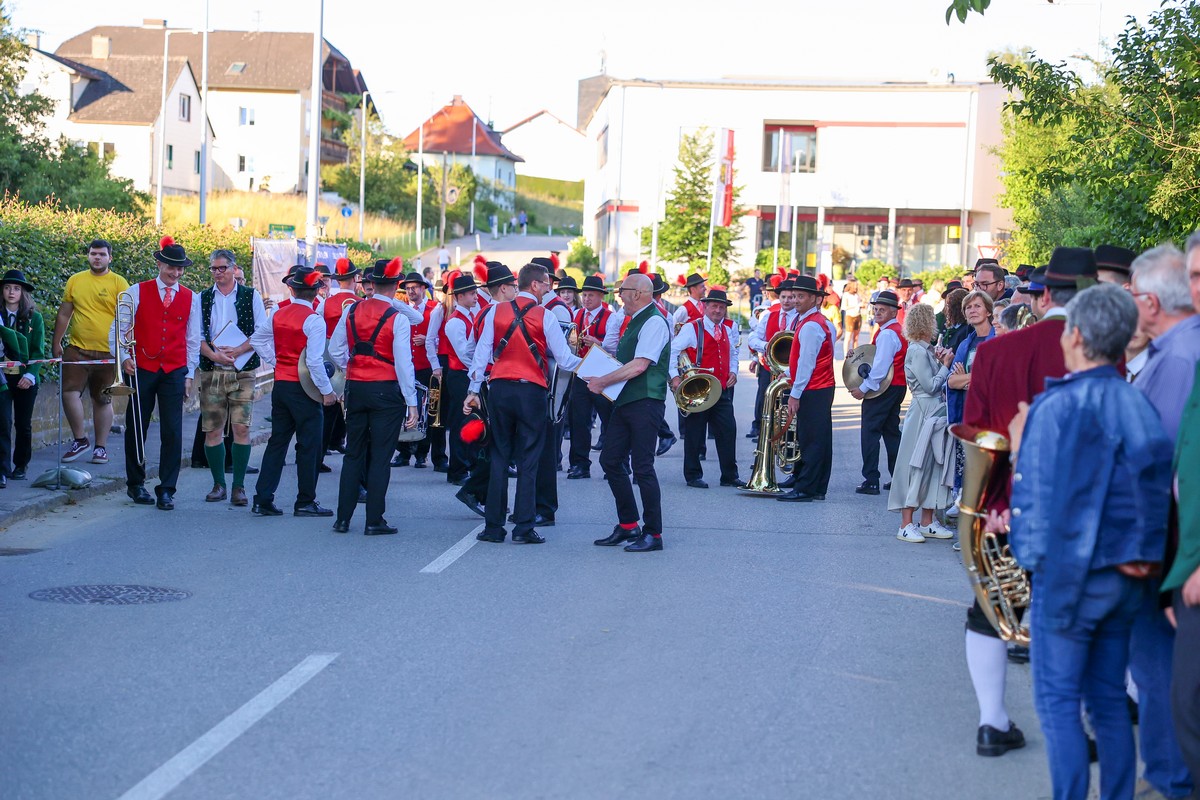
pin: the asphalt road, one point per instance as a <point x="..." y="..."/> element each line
<point x="770" y="651"/>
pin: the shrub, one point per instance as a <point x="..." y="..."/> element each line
<point x="580" y="254"/>
<point x="871" y="270"/>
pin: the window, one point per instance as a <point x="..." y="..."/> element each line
<point x="185" y="107"/>
<point x="241" y="163"/>
<point x="196" y="161"/>
<point x="236" y="68"/>
<point x="245" y="116"/>
<point x="96" y="148"/>
<point x="602" y="148"/>
<point x="170" y="156"/>
<point x="800" y="140"/>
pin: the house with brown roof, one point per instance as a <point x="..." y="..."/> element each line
<point x="112" y="106"/>
<point x="456" y="135"/>
<point x="553" y="147"/>
<point x="259" y="95"/>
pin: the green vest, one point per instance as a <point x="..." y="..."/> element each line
<point x="653" y="382"/>
<point x="244" y="304"/>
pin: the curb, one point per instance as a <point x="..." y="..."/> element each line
<point x="53" y="499"/>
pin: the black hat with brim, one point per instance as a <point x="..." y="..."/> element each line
<point x="594" y="283"/>
<point x="567" y="282"/>
<point x="887" y="298"/>
<point x="716" y="296"/>
<point x="463" y="283"/>
<point x="659" y="285"/>
<point x="1115" y="259"/>
<point x="386" y="272"/>
<point x="17" y="277"/>
<point x="806" y="283"/>
<point x="415" y="277"/>
<point x="499" y="274"/>
<point x="171" y="253"/>
<point x="695" y="279"/>
<point x="1068" y="267"/>
<point x="306" y="278"/>
<point x="905" y="283"/>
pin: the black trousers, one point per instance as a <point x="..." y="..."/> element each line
<point x="814" y="431"/>
<point x="631" y="438"/>
<point x="1185" y="682"/>
<point x="16" y="410"/>
<point x="454" y="393"/>
<point x="720" y="419"/>
<point x="517" y="426"/>
<point x="881" y="418"/>
<point x="764" y="380"/>
<point x="375" y="413"/>
<point x="333" y="428"/>
<point x="437" y="444"/>
<point x="164" y="390"/>
<point x="579" y="417"/>
<point x="292" y="413"/>
<point x="547" y="471"/>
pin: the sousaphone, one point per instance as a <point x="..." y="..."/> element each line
<point x="857" y="367"/>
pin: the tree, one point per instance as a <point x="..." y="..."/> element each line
<point x="683" y="234"/>
<point x="1119" y="160"/>
<point x="961" y="8"/>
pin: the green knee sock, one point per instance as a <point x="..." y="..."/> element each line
<point x="216" y="462"/>
<point x="241" y="459"/>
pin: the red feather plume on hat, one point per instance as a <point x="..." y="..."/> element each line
<point x="394" y="268"/>
<point x="716" y="288"/>
<point x="682" y="281"/>
<point x="165" y="242"/>
<point x="480" y="270"/>
<point x="342" y="266"/>
<point x="776" y="280"/>
<point x="312" y="279"/>
<point x="472" y="431"/>
<point x="782" y="270"/>
<point x="644" y="267"/>
<point x="554" y="259"/>
<point x="450" y="278"/>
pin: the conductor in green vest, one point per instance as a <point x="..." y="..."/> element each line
<point x="637" y="412"/>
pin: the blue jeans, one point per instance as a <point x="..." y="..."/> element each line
<point x="1151" y="649"/>
<point x="1086" y="662"/>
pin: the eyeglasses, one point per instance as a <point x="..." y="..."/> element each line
<point x="985" y="284"/>
<point x="215" y="268"/>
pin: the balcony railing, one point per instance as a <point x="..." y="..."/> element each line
<point x="334" y="152"/>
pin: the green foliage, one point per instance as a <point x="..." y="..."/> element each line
<point x="961" y="8"/>
<point x="944" y="274"/>
<point x="683" y="234"/>
<point x="766" y="261"/>
<point x="580" y="254"/>
<point x="872" y="270"/>
<point x="570" y="191"/>
<point x="1115" y="162"/>
<point x="718" y="276"/>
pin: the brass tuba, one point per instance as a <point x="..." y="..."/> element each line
<point x="777" y="440"/>
<point x="1000" y="585"/>
<point x="127" y="348"/>
<point x="698" y="390"/>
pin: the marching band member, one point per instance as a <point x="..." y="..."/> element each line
<point x="516" y="340"/>
<point x="691" y="309"/>
<point x="415" y="291"/>
<point x="881" y="415"/>
<point x="437" y="351"/>
<point x="166" y="330"/>
<point x="372" y="344"/>
<point x="779" y="317"/>
<point x="341" y="293"/>
<point x="592" y="321"/>
<point x="637" y="412"/>
<point x="811" y="398"/>
<point x="291" y="330"/>
<point x="548" y="465"/>
<point x="712" y="346"/>
<point x="226" y="390"/>
<point x="460" y="340"/>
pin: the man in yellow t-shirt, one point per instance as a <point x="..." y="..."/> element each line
<point x="88" y="307"/>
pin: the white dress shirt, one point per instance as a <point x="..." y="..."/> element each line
<point x="687" y="339"/>
<point x="811" y="339"/>
<point x="758" y="334"/>
<point x="433" y="336"/>
<point x="193" y="324"/>
<point x="339" y="349"/>
<point x="556" y="347"/>
<point x="612" y="333"/>
<point x="459" y="337"/>
<point x="681" y="313"/>
<point x="224" y="311"/>
<point x="263" y="342"/>
<point x="655" y="334"/>
<point x="887" y="344"/>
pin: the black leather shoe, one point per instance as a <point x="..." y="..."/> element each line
<point x="457" y="481"/>
<point x="198" y="464"/>
<point x="1018" y="654"/>
<point x="787" y="483"/>
<point x="495" y="536"/>
<point x="313" y="509"/>
<point x="251" y="470"/>
<point x="140" y="496"/>
<point x="645" y="544"/>
<point x="381" y="528"/>
<point x="598" y="446"/>
<point x="166" y="501"/>
<point x="341" y="526"/>
<point x="266" y="509"/>
<point x="362" y="495"/>
<point x="664" y="445"/>
<point x="992" y="742"/>
<point x="420" y="464"/>
<point x="698" y="483"/>
<point x="734" y="484"/>
<point x="18" y="474"/>
<point x="887" y="487"/>
<point x="753" y="434"/>
<point x="618" y="536"/>
<point x="324" y="469"/>
<point x="400" y="461"/>
<point x="441" y="466"/>
<point x="468" y="500"/>
<point x="867" y="488"/>
<point x="529" y="537"/>
<point x="575" y="473"/>
<point x="796" y="496"/>
<point x="538" y="521"/>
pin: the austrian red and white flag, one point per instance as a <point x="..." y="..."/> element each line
<point x="723" y="187"/>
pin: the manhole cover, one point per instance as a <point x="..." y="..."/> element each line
<point x="109" y="595"/>
<point x="18" y="551"/>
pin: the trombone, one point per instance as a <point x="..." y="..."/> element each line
<point x="128" y="345"/>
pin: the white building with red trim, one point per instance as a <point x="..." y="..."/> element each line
<point x="898" y="171"/>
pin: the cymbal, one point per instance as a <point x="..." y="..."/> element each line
<point x="857" y="367"/>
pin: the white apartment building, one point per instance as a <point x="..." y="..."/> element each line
<point x="898" y="171"/>
<point x="553" y="148"/>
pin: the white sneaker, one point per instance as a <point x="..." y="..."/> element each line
<point x="952" y="511"/>
<point x="910" y="533"/>
<point x="936" y="530"/>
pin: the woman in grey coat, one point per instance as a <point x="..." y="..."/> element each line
<point x="924" y="474"/>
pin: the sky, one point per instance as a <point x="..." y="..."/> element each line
<point x="510" y="60"/>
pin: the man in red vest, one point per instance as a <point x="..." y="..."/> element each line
<point x="416" y="290"/>
<point x="810" y="401"/>
<point x="516" y="340"/>
<point x="881" y="414"/>
<point x="372" y="343"/>
<point x="692" y="308"/>
<point x="459" y="334"/>
<point x="166" y="332"/>
<point x="711" y="345"/>
<point x="592" y="323"/>
<point x="341" y="294"/>
<point x="292" y="329"/>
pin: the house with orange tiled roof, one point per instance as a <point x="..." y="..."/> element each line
<point x="455" y="135"/>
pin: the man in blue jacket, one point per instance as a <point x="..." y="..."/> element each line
<point x="1091" y="489"/>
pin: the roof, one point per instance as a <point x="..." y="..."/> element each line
<point x="542" y="113"/>
<point x="273" y="60"/>
<point x="74" y="66"/>
<point x="451" y="130"/>
<point x="129" y="89"/>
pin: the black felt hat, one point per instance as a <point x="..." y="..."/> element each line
<point x="463" y="283"/>
<point x="567" y="282"/>
<point x="17" y="277"/>
<point x="887" y="298"/>
<point x="695" y="279"/>
<point x="806" y="283"/>
<point x="498" y="274"/>
<point x="594" y="283"/>
<point x="1116" y="259"/>
<point x="306" y="278"/>
<point x="1068" y="266"/>
<point x="660" y="285"/>
<point x="415" y="277"/>
<point x="344" y="269"/>
<point x="716" y="296"/>
<point x="387" y="272"/>
<point x="171" y="253"/>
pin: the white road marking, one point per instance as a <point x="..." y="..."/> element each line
<point x="453" y="554"/>
<point x="167" y="777"/>
<point x="898" y="593"/>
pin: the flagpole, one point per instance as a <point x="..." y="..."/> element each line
<point x="795" y="211"/>
<point x="778" y="206"/>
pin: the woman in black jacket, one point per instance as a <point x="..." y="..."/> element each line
<point x="24" y="337"/>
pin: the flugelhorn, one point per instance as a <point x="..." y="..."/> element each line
<point x="433" y="403"/>
<point x="127" y="348"/>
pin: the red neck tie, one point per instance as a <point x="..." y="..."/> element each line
<point x="169" y="295"/>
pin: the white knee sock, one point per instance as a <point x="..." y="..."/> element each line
<point x="987" y="661"/>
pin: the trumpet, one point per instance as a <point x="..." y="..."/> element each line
<point x="127" y="344"/>
<point x="433" y="403"/>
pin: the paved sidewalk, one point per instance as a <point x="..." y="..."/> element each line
<point x="21" y="501"/>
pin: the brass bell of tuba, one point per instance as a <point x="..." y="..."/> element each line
<point x="127" y="348"/>
<point x="1000" y="585"/>
<point x="698" y="390"/>
<point x="777" y="440"/>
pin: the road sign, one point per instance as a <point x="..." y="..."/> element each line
<point x="452" y="195"/>
<point x="347" y="211"/>
<point x="276" y="230"/>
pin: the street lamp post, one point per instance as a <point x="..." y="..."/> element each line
<point x="162" y="127"/>
<point x="204" y="123"/>
<point x="362" y="166"/>
<point x="420" y="180"/>
<point x="314" y="139"/>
